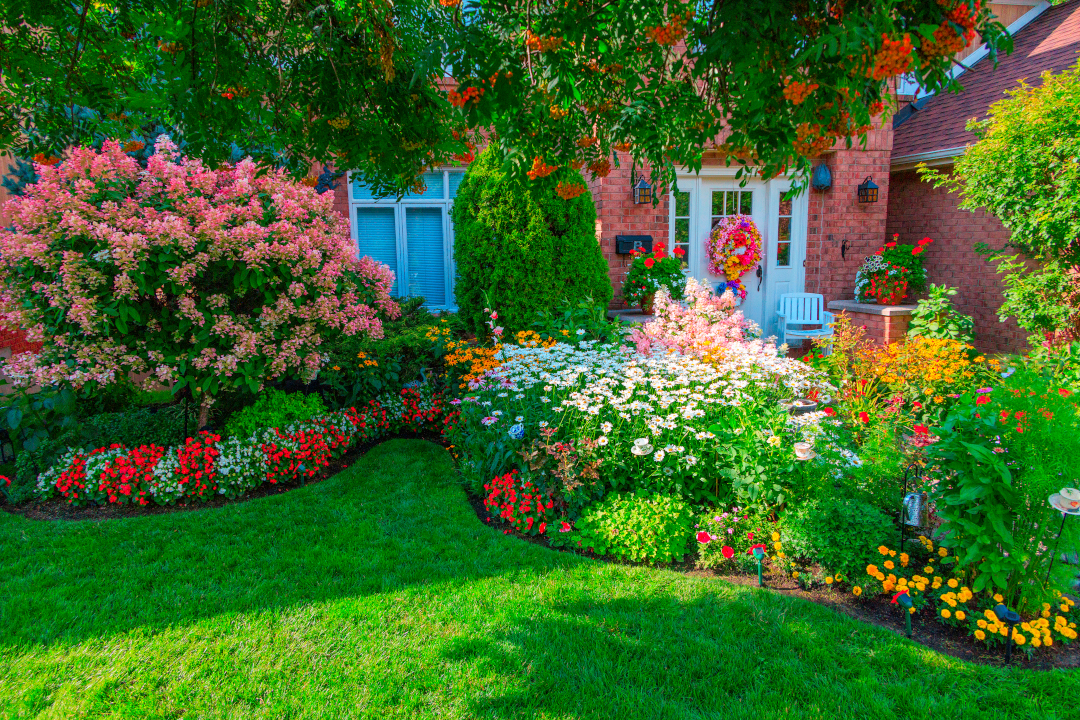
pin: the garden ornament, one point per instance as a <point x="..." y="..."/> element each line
<point x="1010" y="618"/>
<point x="915" y="509"/>
<point x="904" y="600"/>
<point x="758" y="552"/>
<point x="1067" y="502"/>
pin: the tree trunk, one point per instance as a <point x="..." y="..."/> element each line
<point x="204" y="412"/>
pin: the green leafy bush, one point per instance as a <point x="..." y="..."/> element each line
<point x="724" y="538"/>
<point x="274" y="409"/>
<point x="935" y="317"/>
<point x="839" y="533"/>
<point x="161" y="426"/>
<point x="642" y="527"/>
<point x="1001" y="455"/>
<point x="586" y="320"/>
<point x="522" y="249"/>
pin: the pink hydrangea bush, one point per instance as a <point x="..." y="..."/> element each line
<point x="180" y="274"/>
<point x="703" y="325"/>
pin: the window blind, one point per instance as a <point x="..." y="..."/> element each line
<point x="376" y="237"/>
<point x="426" y="254"/>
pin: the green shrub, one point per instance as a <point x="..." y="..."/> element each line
<point x="580" y="322"/>
<point x="841" y="534"/>
<point x="522" y="248"/>
<point x="274" y="408"/>
<point x="642" y="527"/>
<point x="145" y="426"/>
<point x="720" y="533"/>
<point x="935" y="317"/>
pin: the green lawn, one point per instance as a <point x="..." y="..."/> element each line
<point x="378" y="594"/>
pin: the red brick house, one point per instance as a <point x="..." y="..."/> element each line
<point x="931" y="130"/>
<point x="813" y="243"/>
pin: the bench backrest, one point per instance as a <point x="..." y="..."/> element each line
<point x="802" y="307"/>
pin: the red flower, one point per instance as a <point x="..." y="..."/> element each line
<point x="917" y="405"/>
<point x="1004" y="415"/>
<point x="925" y="241"/>
<point x="565" y="527"/>
<point x="829" y="411"/>
<point x="543" y="527"/>
<point x="916" y="250"/>
<point x="982" y="399"/>
<point x="897" y="595"/>
<point x="754" y="547"/>
<point x="649" y="262"/>
<point x="921" y="430"/>
<point x="864" y="417"/>
<point x="750" y="536"/>
<point x="1064" y="393"/>
<point x="678" y="252"/>
<point x="727" y="552"/>
<point x="890" y="245"/>
<point x="704" y="538"/>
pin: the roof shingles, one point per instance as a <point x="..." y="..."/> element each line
<point x="1049" y="42"/>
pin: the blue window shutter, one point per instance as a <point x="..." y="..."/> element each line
<point x="377" y="239"/>
<point x="455" y="183"/>
<point x="360" y="191"/>
<point x="433" y="187"/>
<point x="427" y="257"/>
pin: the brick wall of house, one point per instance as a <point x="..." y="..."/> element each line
<point x="918" y="210"/>
<point x="13" y="342"/>
<point x="837" y="221"/>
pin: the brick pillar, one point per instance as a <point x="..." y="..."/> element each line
<point x="884" y="324"/>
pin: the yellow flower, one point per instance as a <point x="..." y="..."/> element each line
<point x="1035" y="642"/>
<point x="911" y="610"/>
<point x="960" y="615"/>
<point x="1019" y="638"/>
<point x="929" y="570"/>
<point x="981" y="623"/>
<point x="889" y="565"/>
<point x="780" y="555"/>
<point x="892" y="553"/>
<point x="839" y="577"/>
<point x="997" y="597"/>
<point x="980" y="635"/>
<point x="777" y="546"/>
<point x="828" y="581"/>
<point x="904" y="559"/>
<point x="888" y="586"/>
<point x="939" y="399"/>
<point x="336" y="367"/>
<point x="1048" y="642"/>
<point x="920" y="586"/>
<point x="1064" y="607"/>
<point x="945" y="614"/>
<point x="795" y="575"/>
<point x="990" y="615"/>
<point x="856" y="591"/>
<point x="953" y="583"/>
<point x="943" y="552"/>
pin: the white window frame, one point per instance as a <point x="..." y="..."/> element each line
<point x="445" y="203"/>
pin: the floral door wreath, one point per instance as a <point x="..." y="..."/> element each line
<point x="734" y="248"/>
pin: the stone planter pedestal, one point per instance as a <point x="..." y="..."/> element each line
<point x="884" y="323"/>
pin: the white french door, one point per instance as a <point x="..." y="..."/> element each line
<point x="700" y="202"/>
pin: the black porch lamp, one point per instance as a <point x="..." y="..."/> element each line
<point x="868" y="191"/>
<point x="640" y="190"/>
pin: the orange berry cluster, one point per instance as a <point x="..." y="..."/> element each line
<point x="172" y="48"/>
<point x="338" y="123"/>
<point x="569" y="191"/>
<point x="542" y="44"/>
<point x="622" y="146"/>
<point x="894" y="57"/>
<point x="557" y="113"/>
<point x="458" y="99"/>
<point x="540" y="169"/>
<point x="876" y="108"/>
<point x="797" y="91"/>
<point x="450" y="3"/>
<point x="674" y="30"/>
<point x="40" y="159"/>
<point x="809" y="140"/>
<point x="586" y="142"/>
<point x="601" y="167"/>
<point x="946" y="40"/>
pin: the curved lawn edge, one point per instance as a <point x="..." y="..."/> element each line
<point x="380" y="589"/>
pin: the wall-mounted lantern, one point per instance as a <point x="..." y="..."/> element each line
<point x="868" y="191"/>
<point x="642" y="191"/>
<point x="821" y="178"/>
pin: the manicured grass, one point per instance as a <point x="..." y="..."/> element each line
<point x="378" y="594"/>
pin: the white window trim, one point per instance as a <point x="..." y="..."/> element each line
<point x="445" y="203"/>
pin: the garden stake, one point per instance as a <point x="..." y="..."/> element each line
<point x="1057" y="546"/>
<point x="904" y="601"/>
<point x="759" y="553"/>
<point x="1010" y="618"/>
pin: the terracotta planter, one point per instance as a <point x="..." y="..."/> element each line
<point x="646" y="303"/>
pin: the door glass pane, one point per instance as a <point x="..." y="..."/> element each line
<point x="783" y="254"/>
<point x="377" y="239"/>
<point x="785" y="207"/>
<point x="427" y="262"/>
<point x="718" y="203"/>
<point x="746" y="204"/>
<point x="682" y="204"/>
<point x="455" y="183"/>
